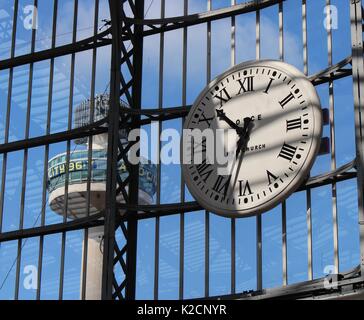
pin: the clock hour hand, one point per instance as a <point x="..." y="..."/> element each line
<point x="244" y="136"/>
<point x="222" y="116"/>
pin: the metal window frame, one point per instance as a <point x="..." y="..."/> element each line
<point x="133" y="29"/>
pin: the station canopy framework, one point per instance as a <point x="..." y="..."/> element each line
<point x="172" y="249"/>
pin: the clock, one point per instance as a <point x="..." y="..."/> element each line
<point x="274" y="118"/>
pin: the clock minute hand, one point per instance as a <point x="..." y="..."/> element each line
<point x="241" y="142"/>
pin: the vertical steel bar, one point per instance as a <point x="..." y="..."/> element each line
<point x="184" y="98"/>
<point x="308" y="192"/>
<point x="156" y="258"/>
<point x="207" y="214"/>
<point x="7" y="128"/>
<point x="208" y="58"/>
<point x="356" y="18"/>
<point x="309" y="235"/>
<point x="7" y="117"/>
<point x="284" y="212"/>
<point x="207" y="253"/>
<point x="233" y="222"/>
<point x="304" y="37"/>
<point x="25" y="164"/>
<point x="61" y="270"/>
<point x="70" y="109"/>
<point x="284" y="244"/>
<point x="233" y="37"/>
<point x="259" y="253"/>
<point x="159" y="169"/>
<point x="332" y="139"/>
<point x="233" y="256"/>
<point x="46" y="152"/>
<point x="84" y="265"/>
<point x="281" y="31"/>
<point x="89" y="156"/>
<point x="259" y="217"/>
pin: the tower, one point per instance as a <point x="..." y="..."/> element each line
<point x="85" y="198"/>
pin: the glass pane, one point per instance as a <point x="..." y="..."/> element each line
<point x="169" y="257"/>
<point x="272" y="248"/>
<point x="194" y="257"/>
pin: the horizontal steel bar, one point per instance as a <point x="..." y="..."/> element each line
<point x="78" y="224"/>
<point x="332" y="73"/>
<point x="154" y="112"/>
<point x="167" y="24"/>
<point x="152" y="211"/>
<point x="86" y="131"/>
<point x="151" y="115"/>
<point x="339" y="74"/>
<point x="158" y="210"/>
<point x="340" y="174"/>
<point x="302" y="290"/>
<point x="86" y="44"/>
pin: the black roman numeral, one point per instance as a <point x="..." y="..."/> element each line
<point x="269" y="85"/>
<point x="222" y="183"/>
<point x="294" y="124"/>
<point x="246" y="85"/>
<point x="287" y="152"/>
<point x="244" y="189"/>
<point x="223" y="96"/>
<point x="286" y="100"/>
<point x="204" y="119"/>
<point x="270" y="177"/>
<point x="204" y="170"/>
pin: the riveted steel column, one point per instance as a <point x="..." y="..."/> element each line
<point x="111" y="171"/>
<point x="131" y="257"/>
<point x="356" y="19"/>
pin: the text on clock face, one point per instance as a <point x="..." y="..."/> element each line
<point x="253" y="118"/>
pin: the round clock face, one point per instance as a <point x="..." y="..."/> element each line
<point x="273" y="116"/>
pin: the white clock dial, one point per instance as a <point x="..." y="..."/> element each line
<point x="279" y="145"/>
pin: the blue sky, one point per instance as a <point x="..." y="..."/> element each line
<point x="220" y="250"/>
